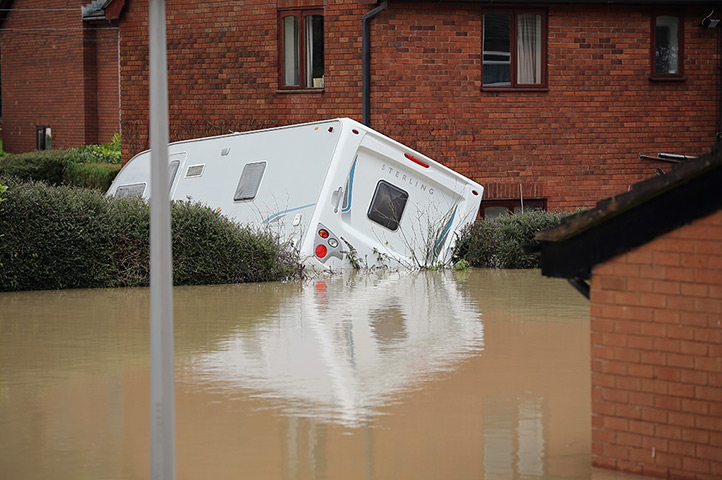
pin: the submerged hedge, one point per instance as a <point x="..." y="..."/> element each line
<point x="498" y="243"/>
<point x="67" y="237"/>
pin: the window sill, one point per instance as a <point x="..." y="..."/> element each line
<point x="301" y="90"/>
<point x="653" y="78"/>
<point x="514" y="89"/>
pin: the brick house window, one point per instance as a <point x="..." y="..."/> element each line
<point x="491" y="209"/>
<point x="43" y="137"/>
<point x="301" y="49"/>
<point x="667" y="49"/>
<point x="514" y="49"/>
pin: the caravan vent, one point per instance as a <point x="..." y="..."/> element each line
<point x="195" y="170"/>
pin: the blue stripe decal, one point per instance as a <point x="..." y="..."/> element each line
<point x="350" y="185"/>
<point x="286" y="211"/>
<point x="444" y="233"/>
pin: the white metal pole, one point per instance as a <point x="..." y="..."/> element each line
<point x="162" y="395"/>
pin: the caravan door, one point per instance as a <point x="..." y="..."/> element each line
<point x="399" y="207"/>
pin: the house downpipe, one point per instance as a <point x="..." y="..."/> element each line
<point x="366" y="53"/>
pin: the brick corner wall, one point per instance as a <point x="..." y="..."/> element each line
<point x="656" y="333"/>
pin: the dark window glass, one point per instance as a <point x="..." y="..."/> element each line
<point x="497" y="50"/>
<point x="43" y="137"/>
<point x="667" y="47"/>
<point x="387" y="205"/>
<point x="250" y="181"/>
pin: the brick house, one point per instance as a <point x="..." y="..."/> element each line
<point x="60" y="76"/>
<point x="654" y="256"/>
<point x="549" y="102"/>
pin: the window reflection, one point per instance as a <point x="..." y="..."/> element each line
<point x="514" y="437"/>
<point x="667" y="44"/>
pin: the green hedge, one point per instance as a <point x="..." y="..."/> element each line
<point x="498" y="243"/>
<point x="42" y="166"/>
<point x="92" y="166"/>
<point x="66" y="237"/>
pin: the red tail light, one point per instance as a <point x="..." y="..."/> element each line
<point x="321" y="251"/>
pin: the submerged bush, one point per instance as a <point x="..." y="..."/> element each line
<point x="67" y="237"/>
<point x="498" y="243"/>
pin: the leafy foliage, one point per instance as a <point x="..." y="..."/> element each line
<point x="69" y="237"/>
<point x="105" y="153"/>
<point x="498" y="243"/>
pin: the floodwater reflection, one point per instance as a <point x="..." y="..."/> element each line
<point x="435" y="375"/>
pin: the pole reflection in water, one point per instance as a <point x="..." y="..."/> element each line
<point x="433" y="375"/>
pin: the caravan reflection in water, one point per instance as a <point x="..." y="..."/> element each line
<point x="343" y="351"/>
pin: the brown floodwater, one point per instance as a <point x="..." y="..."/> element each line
<point x="433" y="375"/>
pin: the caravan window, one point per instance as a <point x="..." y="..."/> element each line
<point x="387" y="205"/>
<point x="250" y="181"/>
<point x="172" y="171"/>
<point x="134" y="190"/>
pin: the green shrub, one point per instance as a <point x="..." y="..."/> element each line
<point x="2" y="191"/>
<point x="104" y="153"/>
<point x="498" y="243"/>
<point x="228" y="253"/>
<point x="54" y="238"/>
<point x="69" y="237"/>
<point x="92" y="166"/>
<point x="98" y="176"/>
<point x="42" y="166"/>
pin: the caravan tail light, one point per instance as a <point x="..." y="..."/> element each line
<point x="416" y="160"/>
<point x="321" y="251"/>
<point x="475" y="192"/>
<point x="323" y="233"/>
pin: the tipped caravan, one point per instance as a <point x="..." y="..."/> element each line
<point x="343" y="194"/>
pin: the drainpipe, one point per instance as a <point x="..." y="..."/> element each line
<point x="719" y="133"/>
<point x="366" y="52"/>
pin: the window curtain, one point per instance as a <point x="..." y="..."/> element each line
<point x="290" y="51"/>
<point x="309" y="51"/>
<point x="529" y="49"/>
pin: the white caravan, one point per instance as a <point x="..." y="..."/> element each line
<point x="342" y="193"/>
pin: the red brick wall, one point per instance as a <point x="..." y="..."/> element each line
<point x="656" y="329"/>
<point x="108" y="83"/>
<point x="49" y="76"/>
<point x="576" y="143"/>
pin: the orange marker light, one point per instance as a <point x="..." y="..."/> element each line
<point x="323" y="233"/>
